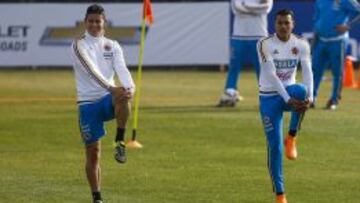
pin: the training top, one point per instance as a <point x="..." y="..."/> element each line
<point x="95" y="62"/>
<point x="250" y="18"/>
<point x="278" y="64"/>
<point x="329" y="13"/>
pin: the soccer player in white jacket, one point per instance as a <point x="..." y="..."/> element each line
<point x="250" y="24"/>
<point x="279" y="57"/>
<point x="96" y="60"/>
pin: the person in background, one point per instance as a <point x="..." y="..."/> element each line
<point x="249" y="25"/>
<point x="333" y="20"/>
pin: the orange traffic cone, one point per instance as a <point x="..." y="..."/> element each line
<point x="348" y="79"/>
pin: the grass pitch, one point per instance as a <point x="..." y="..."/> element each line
<point x="193" y="152"/>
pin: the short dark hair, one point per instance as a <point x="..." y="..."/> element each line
<point x="95" y="9"/>
<point x="285" y="12"/>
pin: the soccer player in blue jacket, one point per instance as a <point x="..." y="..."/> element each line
<point x="280" y="56"/>
<point x="333" y="20"/>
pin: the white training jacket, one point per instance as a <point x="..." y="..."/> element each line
<point x="95" y="61"/>
<point x="278" y="64"/>
<point x="250" y="18"/>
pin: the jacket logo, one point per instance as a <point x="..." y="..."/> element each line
<point x="107" y="47"/>
<point x="295" y="51"/>
<point x="108" y="55"/>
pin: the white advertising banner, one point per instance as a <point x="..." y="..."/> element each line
<point x="182" y="34"/>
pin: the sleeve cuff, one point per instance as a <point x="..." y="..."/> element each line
<point x="286" y="98"/>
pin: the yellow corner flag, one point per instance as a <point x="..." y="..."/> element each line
<point x="147" y="16"/>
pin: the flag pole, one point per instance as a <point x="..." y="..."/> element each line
<point x="133" y="143"/>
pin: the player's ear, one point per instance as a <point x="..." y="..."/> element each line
<point x="293" y="21"/>
<point x="105" y="21"/>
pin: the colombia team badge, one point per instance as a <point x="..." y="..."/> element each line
<point x="295" y="51"/>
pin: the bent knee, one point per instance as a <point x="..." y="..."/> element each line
<point x="297" y="91"/>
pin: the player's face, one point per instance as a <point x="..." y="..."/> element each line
<point x="95" y="24"/>
<point x="284" y="26"/>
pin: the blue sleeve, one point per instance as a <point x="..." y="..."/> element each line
<point x="351" y="5"/>
<point x="354" y="19"/>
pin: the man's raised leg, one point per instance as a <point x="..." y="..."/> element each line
<point x="122" y="111"/>
<point x="299" y="92"/>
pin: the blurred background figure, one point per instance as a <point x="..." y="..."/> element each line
<point x="249" y="25"/>
<point x="333" y="20"/>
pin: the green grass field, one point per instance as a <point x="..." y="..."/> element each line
<point x="192" y="151"/>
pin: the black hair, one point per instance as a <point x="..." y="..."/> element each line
<point x="95" y="9"/>
<point x="285" y="12"/>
